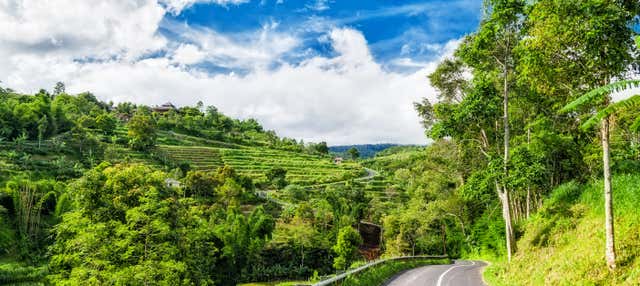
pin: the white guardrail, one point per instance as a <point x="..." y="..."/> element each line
<point x="342" y="276"/>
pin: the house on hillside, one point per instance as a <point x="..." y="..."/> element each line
<point x="172" y="183"/>
<point x="168" y="106"/>
<point x="337" y="160"/>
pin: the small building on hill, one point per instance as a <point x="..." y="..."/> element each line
<point x="168" y="106"/>
<point x="337" y="160"/>
<point x="172" y="183"/>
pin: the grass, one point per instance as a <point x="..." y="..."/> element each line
<point x="380" y="273"/>
<point x="563" y="244"/>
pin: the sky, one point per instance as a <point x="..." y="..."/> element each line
<point x="341" y="71"/>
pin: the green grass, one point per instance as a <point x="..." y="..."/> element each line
<point x="380" y="273"/>
<point x="563" y="244"/>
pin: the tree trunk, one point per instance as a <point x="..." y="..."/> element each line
<point x="504" y="194"/>
<point x="608" y="199"/>
<point x="444" y="239"/>
<point x="528" y="201"/>
<point x="528" y="183"/>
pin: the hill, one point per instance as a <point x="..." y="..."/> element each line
<point x="366" y="150"/>
<point x="564" y="242"/>
<point x="51" y="146"/>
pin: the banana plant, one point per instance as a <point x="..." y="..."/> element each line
<point x="601" y="96"/>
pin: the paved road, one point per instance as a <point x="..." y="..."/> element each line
<point x="461" y="273"/>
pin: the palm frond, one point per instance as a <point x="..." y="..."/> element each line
<point x="630" y="102"/>
<point x="599" y="92"/>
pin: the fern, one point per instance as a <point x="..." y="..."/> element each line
<point x="599" y="92"/>
<point x="628" y="103"/>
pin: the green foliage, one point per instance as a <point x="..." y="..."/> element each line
<point x="598" y="94"/>
<point x="107" y="123"/>
<point x="346" y="247"/>
<point x="277" y="177"/>
<point x="564" y="236"/>
<point x="16" y="273"/>
<point x="612" y="109"/>
<point x="141" y="131"/>
<point x="131" y="227"/>
<point x="354" y="153"/>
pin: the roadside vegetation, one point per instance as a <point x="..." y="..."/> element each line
<point x="380" y="273"/>
<point x="559" y="244"/>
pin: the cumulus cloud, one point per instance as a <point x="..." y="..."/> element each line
<point x="79" y="29"/>
<point x="346" y="98"/>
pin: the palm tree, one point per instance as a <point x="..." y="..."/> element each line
<point x="602" y="115"/>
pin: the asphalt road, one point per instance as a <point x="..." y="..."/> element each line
<point x="461" y="273"/>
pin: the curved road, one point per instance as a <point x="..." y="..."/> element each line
<point x="461" y="273"/>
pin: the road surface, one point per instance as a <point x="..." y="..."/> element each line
<point x="461" y="273"/>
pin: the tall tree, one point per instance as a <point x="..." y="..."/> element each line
<point x="354" y="153"/>
<point x="142" y="131"/>
<point x="602" y="117"/>
<point x="577" y="45"/>
<point x="492" y="51"/>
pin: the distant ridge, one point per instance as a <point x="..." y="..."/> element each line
<point x="366" y="150"/>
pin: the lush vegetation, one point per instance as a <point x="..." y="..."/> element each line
<point x="562" y="236"/>
<point x="97" y="193"/>
<point x="525" y="132"/>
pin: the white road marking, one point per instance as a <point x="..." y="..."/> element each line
<point x="451" y="268"/>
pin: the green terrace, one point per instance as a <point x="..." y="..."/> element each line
<point x="302" y="169"/>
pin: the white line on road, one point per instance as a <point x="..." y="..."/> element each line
<point x="444" y="273"/>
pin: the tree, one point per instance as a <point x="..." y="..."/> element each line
<point x="492" y="50"/>
<point x="580" y="45"/>
<point x="230" y="192"/>
<point x="602" y="116"/>
<point x="59" y="88"/>
<point x="321" y="147"/>
<point x="107" y="123"/>
<point x="277" y="176"/>
<point x="142" y="131"/>
<point x="42" y="128"/>
<point x="346" y="247"/>
<point x="354" y="153"/>
<point x="200" y="184"/>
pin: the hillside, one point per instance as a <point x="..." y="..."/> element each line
<point x="565" y="239"/>
<point x="207" y="161"/>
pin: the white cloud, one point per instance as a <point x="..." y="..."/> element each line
<point x="348" y="98"/>
<point x="245" y="50"/>
<point x="176" y="6"/>
<point x="188" y="54"/>
<point x="96" y="29"/>
<point x="319" y="5"/>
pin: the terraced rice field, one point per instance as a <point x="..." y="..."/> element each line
<point x="302" y="169"/>
<point x="378" y="188"/>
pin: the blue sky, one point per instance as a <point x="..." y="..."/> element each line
<point x="393" y="29"/>
<point x="342" y="71"/>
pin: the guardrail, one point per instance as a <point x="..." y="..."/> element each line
<point x="342" y="276"/>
